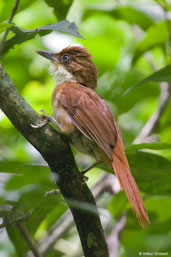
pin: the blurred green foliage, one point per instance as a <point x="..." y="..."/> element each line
<point x="130" y="42"/>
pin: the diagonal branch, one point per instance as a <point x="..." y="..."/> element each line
<point x="114" y="238"/>
<point x="150" y="126"/>
<point x="10" y="20"/>
<point x="55" y="149"/>
<point x="28" y="239"/>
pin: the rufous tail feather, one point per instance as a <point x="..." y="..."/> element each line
<point x="127" y="182"/>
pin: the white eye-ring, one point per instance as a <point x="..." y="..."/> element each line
<point x="65" y="58"/>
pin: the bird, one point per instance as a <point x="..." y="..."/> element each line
<point x="87" y="120"/>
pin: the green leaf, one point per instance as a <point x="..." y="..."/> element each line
<point x="156" y="35"/>
<point x="160" y="207"/>
<point x="61" y="7"/>
<point x="5" y="25"/>
<point x="1" y="200"/>
<point x="40" y="206"/>
<point x="154" y="146"/>
<point x="11" y="166"/>
<point x="32" y="175"/>
<point x="161" y="75"/>
<point x="64" y="26"/>
<point x="134" y="15"/>
<point x="17" y="240"/>
<point x="151" y="172"/>
<point x="154" y="239"/>
<point x="118" y="204"/>
<point x="22" y="35"/>
<point x="21" y="167"/>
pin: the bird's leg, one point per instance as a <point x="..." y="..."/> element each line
<point x="83" y="172"/>
<point x="90" y="167"/>
<point x="48" y="119"/>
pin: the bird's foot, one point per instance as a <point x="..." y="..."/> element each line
<point x="83" y="172"/>
<point x="43" y="123"/>
<point x="47" y="118"/>
<point x="85" y="178"/>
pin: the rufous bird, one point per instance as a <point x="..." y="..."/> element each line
<point x="87" y="120"/>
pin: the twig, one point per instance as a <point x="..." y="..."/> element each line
<point x="15" y="217"/>
<point x="10" y="20"/>
<point x="114" y="238"/>
<point x="57" y="231"/>
<point x="150" y="126"/>
<point x="31" y="244"/>
<point x="150" y="59"/>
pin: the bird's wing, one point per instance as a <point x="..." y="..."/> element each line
<point x="91" y="115"/>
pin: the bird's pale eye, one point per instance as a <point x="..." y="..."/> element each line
<point x="65" y="58"/>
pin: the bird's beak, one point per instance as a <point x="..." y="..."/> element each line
<point x="47" y="55"/>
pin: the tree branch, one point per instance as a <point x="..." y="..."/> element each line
<point x="150" y="126"/>
<point x="114" y="238"/>
<point x="56" y="151"/>
<point x="30" y="242"/>
<point x="10" y="20"/>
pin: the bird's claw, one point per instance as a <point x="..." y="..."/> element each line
<point x="44" y="115"/>
<point x="83" y="172"/>
<point x="85" y="178"/>
<point x="43" y="123"/>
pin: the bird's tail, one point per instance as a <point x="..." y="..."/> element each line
<point x="127" y="182"/>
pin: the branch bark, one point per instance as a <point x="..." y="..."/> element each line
<point x="55" y="149"/>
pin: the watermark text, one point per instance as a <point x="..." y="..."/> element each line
<point x="153" y="253"/>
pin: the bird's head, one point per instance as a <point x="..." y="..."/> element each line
<point x="72" y="64"/>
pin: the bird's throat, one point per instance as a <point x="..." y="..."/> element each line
<point x="60" y="74"/>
